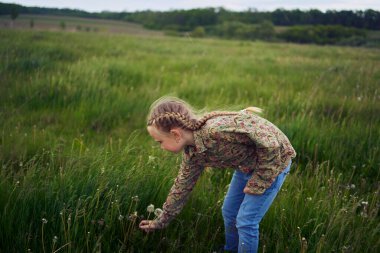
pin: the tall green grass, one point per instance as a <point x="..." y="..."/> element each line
<point x="74" y="150"/>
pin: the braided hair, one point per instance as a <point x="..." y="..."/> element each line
<point x="169" y="112"/>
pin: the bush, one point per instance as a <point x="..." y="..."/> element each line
<point x="321" y="34"/>
<point x="198" y="32"/>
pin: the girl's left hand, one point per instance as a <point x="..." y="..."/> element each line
<point x="149" y="225"/>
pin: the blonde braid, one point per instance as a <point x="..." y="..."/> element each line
<point x="170" y="118"/>
<point x="210" y="115"/>
<point x="169" y="112"/>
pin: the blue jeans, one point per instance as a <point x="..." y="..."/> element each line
<point x="242" y="212"/>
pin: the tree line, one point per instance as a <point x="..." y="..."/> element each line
<point x="312" y="26"/>
<point x="189" y="19"/>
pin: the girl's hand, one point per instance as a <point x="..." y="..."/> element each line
<point x="149" y="225"/>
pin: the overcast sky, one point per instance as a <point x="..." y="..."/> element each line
<point x="238" y="5"/>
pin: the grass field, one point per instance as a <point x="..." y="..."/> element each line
<point x="74" y="151"/>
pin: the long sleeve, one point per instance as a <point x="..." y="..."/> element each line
<point x="269" y="162"/>
<point x="180" y="191"/>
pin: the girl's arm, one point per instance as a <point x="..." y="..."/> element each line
<point x="178" y="195"/>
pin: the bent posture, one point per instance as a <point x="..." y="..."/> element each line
<point x="258" y="151"/>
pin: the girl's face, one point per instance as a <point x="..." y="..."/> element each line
<point x="171" y="141"/>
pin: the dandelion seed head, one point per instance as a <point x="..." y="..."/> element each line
<point x="121" y="217"/>
<point x="44" y="221"/>
<point x="55" y="239"/>
<point x="150" y="208"/>
<point x="158" y="212"/>
<point x="133" y="216"/>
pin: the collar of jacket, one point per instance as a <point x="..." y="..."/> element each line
<point x="199" y="145"/>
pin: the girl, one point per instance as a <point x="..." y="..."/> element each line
<point x="258" y="151"/>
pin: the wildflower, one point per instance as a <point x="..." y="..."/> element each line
<point x="151" y="159"/>
<point x="364" y="203"/>
<point x="44" y="221"/>
<point x="150" y="208"/>
<point x="135" y="198"/>
<point x="121" y="217"/>
<point x="158" y="212"/>
<point x="133" y="216"/>
<point x="309" y="198"/>
<point x="55" y="239"/>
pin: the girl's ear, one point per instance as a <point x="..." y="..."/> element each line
<point x="176" y="133"/>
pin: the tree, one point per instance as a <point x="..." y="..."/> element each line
<point x="14" y="14"/>
<point x="265" y="30"/>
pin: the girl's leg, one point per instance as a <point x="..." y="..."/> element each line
<point x="230" y="209"/>
<point x="252" y="210"/>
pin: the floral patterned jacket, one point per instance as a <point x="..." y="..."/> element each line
<point x="244" y="141"/>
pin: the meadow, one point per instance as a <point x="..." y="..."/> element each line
<point x="78" y="168"/>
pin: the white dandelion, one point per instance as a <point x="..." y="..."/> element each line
<point x="158" y="212"/>
<point x="150" y="208"/>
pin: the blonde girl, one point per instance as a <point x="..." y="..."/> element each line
<point x="257" y="150"/>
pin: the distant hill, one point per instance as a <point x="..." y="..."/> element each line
<point x="187" y="20"/>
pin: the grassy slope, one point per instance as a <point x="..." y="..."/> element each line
<point x="53" y="23"/>
<point x="73" y="139"/>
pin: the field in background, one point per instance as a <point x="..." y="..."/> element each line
<point x="74" y="152"/>
<point x="57" y="23"/>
